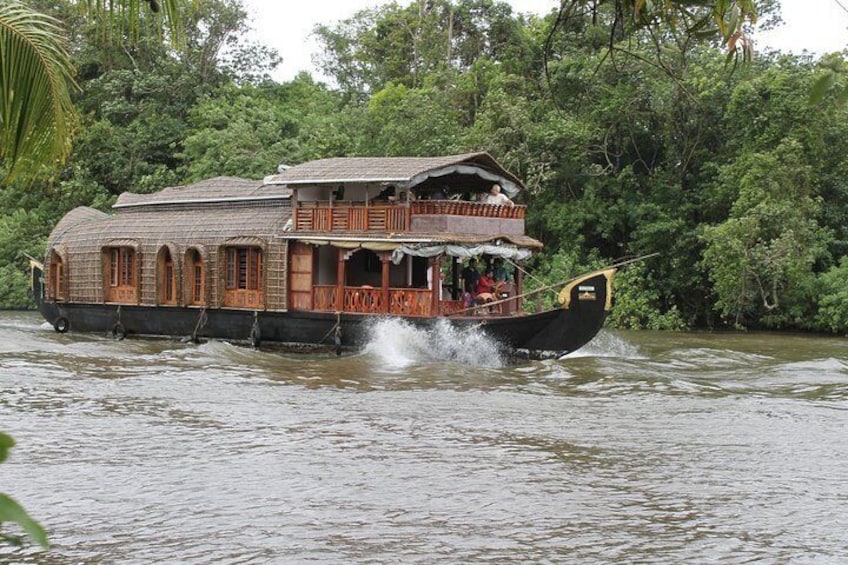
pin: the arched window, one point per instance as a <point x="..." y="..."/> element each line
<point x="57" y="285"/>
<point x="167" y="278"/>
<point x="195" y="278"/>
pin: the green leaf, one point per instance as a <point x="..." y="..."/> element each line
<point x="6" y="443"/>
<point x="37" y="115"/>
<point x="11" y="511"/>
<point x="821" y="87"/>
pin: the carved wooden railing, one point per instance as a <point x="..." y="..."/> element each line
<point x="122" y="294"/>
<point x="466" y="208"/>
<point x="324" y="297"/>
<point x="410" y="301"/>
<point x="368" y="300"/>
<point x="319" y="216"/>
<point x="364" y="300"/>
<point x="242" y="298"/>
<point x="449" y="307"/>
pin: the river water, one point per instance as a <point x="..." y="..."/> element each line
<point x="643" y="447"/>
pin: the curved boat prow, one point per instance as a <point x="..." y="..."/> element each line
<point x="584" y="304"/>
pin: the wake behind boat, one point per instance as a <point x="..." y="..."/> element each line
<point x="312" y="255"/>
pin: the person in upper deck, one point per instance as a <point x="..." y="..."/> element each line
<point x="497" y="197"/>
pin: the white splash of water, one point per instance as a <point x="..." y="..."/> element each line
<point x="607" y="344"/>
<point x="399" y="343"/>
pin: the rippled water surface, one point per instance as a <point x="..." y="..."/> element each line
<point x="643" y="447"/>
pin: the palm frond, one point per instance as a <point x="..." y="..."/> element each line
<point x="36" y="75"/>
<point x="130" y="19"/>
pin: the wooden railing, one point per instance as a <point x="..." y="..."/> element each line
<point x="410" y="301"/>
<point x="242" y="298"/>
<point x="364" y="300"/>
<point x="122" y="294"/>
<point x="465" y="208"/>
<point x="448" y="307"/>
<point x="321" y="217"/>
<point x="324" y="297"/>
<point x="369" y="300"/>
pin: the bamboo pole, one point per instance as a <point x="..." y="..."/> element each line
<point x="554" y="285"/>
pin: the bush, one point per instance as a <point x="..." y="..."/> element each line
<point x="833" y="299"/>
<point x="637" y="302"/>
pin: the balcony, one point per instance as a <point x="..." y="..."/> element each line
<point x="423" y="216"/>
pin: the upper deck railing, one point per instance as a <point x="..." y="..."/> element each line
<point x="346" y="216"/>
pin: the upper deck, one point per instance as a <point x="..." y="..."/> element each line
<point x="399" y="195"/>
<point x="420" y="216"/>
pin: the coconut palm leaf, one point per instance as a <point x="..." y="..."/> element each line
<point x="121" y="19"/>
<point x="36" y="75"/>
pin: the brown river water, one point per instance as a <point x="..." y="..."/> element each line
<point x="642" y="448"/>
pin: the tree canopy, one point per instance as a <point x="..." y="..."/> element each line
<point x="631" y="122"/>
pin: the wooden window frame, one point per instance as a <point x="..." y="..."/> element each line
<point x="167" y="277"/>
<point x="122" y="284"/>
<point x="195" y="278"/>
<point x="244" y="276"/>
<point x="58" y="283"/>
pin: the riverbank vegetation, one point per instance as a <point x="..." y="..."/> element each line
<point x="632" y="139"/>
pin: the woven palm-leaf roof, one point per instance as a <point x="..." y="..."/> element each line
<point x="409" y="171"/>
<point x="218" y="189"/>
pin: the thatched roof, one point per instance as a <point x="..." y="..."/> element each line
<point x="473" y="170"/>
<point x="218" y="189"/>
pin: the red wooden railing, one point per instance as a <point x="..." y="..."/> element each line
<point x="122" y="294"/>
<point x="410" y="301"/>
<point x="243" y="298"/>
<point x="320" y="217"/>
<point x="368" y="300"/>
<point x="465" y="208"/>
<point x="324" y="297"/>
<point x="364" y="300"/>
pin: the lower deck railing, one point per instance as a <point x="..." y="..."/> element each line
<point x="370" y="300"/>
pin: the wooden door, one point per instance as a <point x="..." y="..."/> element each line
<point x="300" y="276"/>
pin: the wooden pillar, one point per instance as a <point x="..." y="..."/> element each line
<point x="519" y="289"/>
<point x="386" y="259"/>
<point x="455" y="278"/>
<point x="340" y="283"/>
<point x="436" y="278"/>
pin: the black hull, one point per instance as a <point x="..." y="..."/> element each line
<point x="551" y="333"/>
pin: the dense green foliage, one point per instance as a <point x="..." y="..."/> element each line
<point x="630" y="141"/>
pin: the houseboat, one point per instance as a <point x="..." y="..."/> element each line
<point x="312" y="256"/>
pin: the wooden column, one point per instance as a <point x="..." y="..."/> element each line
<point x="519" y="286"/>
<point x="340" y="283"/>
<point x="386" y="259"/>
<point x="436" y="278"/>
<point x="454" y="278"/>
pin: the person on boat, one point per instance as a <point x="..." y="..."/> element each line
<point x="485" y="284"/>
<point x="499" y="272"/>
<point x="388" y="194"/>
<point x="470" y="276"/>
<point x="486" y="291"/>
<point x="496" y="197"/>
